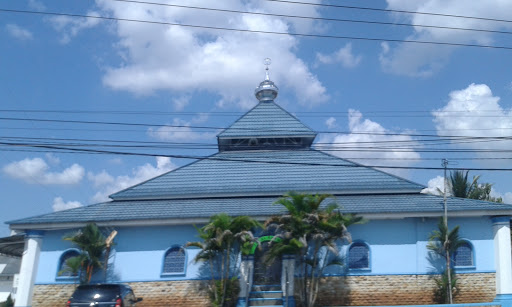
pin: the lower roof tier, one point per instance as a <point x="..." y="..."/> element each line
<point x="196" y="211"/>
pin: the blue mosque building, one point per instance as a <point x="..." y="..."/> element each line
<point x="263" y="155"/>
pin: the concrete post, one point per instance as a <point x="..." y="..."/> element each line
<point x="246" y="271"/>
<point x="287" y="280"/>
<point x="503" y="259"/>
<point x="28" y="268"/>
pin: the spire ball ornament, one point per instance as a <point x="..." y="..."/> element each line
<point x="267" y="90"/>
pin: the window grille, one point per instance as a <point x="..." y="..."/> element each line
<point x="463" y="256"/>
<point x="359" y="256"/>
<point x="174" y="261"/>
<point x="64" y="269"/>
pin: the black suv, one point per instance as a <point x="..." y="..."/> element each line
<point x="103" y="295"/>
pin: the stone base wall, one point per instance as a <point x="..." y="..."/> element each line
<point x="334" y="291"/>
<point x="155" y="294"/>
<point x="401" y="290"/>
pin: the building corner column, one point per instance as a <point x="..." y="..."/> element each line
<point x="245" y="280"/>
<point x="288" y="281"/>
<point x="28" y="268"/>
<point x="503" y="260"/>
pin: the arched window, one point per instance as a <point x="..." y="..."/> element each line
<point x="359" y="256"/>
<point x="64" y="270"/>
<point x="463" y="256"/>
<point x="174" y="261"/>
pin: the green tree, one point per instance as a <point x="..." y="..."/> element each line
<point x="444" y="242"/>
<point x="223" y="238"/>
<point x="309" y="230"/>
<point x="8" y="303"/>
<point x="91" y="243"/>
<point x="460" y="186"/>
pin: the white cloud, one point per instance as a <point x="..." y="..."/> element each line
<point x="36" y="5"/>
<point x="115" y="161"/>
<point x="36" y="171"/>
<point x="344" y="56"/>
<point x="331" y="123"/>
<point x="475" y="112"/>
<point x="365" y="134"/>
<point x="424" y="60"/>
<point x="52" y="159"/>
<point x="435" y="186"/>
<point x="507" y="198"/>
<point x="100" y="179"/>
<point x="184" y="60"/>
<point x="59" y="204"/>
<point x="180" y="131"/>
<point x="18" y="32"/>
<point x="107" y="184"/>
<point x="69" y="27"/>
<point x="180" y="102"/>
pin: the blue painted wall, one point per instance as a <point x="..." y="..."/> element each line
<point x="396" y="247"/>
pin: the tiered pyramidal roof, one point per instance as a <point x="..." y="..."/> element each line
<point x="263" y="155"/>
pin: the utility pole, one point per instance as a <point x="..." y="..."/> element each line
<point x="446" y="242"/>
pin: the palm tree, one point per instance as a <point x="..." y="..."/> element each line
<point x="444" y="243"/>
<point x="73" y="265"/>
<point x="460" y="186"/>
<point x="222" y="239"/>
<point x="91" y="243"/>
<point x="309" y="230"/>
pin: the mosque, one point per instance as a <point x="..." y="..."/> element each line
<point x="264" y="154"/>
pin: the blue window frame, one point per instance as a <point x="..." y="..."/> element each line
<point x="359" y="256"/>
<point x="63" y="270"/>
<point x="463" y="256"/>
<point x="175" y="259"/>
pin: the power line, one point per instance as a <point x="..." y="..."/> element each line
<point x="230" y="113"/>
<point x="348" y="158"/>
<point x="260" y="31"/>
<point x="317" y="18"/>
<point x="242" y="128"/>
<point x="332" y="146"/>
<point x="392" y="10"/>
<point x="249" y="160"/>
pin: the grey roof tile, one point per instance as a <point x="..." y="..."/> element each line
<point x="266" y="119"/>
<point x="247" y="173"/>
<point x="254" y="206"/>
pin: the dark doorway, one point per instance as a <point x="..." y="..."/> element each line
<point x="266" y="274"/>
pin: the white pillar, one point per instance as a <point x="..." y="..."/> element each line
<point x="287" y="280"/>
<point x="246" y="271"/>
<point x="28" y="269"/>
<point x="502" y="254"/>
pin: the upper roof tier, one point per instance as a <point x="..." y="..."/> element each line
<point x="266" y="126"/>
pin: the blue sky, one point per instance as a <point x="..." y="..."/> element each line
<point x="155" y="77"/>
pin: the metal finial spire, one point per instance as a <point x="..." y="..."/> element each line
<point x="267" y="62"/>
<point x="267" y="91"/>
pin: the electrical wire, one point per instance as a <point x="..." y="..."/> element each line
<point x="282" y="162"/>
<point x="151" y="125"/>
<point x="317" y="18"/>
<point x="391" y="10"/>
<point x="378" y="39"/>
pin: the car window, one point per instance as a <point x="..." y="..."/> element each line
<point x="104" y="293"/>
